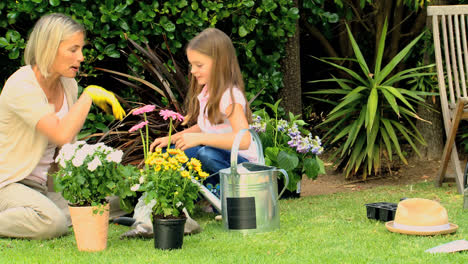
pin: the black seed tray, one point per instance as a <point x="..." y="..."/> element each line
<point x="381" y="211"/>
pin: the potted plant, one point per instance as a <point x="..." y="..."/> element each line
<point x="287" y="145"/>
<point x="167" y="183"/>
<point x="87" y="175"/>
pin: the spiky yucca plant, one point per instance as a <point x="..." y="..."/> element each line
<point x="374" y="116"/>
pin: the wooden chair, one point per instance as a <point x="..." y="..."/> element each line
<point x="449" y="25"/>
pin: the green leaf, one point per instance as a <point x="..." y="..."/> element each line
<point x="393" y="137"/>
<point x="124" y="25"/>
<point x="394" y="62"/>
<point x="242" y="31"/>
<point x="380" y="49"/>
<point x="101" y="127"/>
<point x="397" y="94"/>
<point x="3" y="42"/>
<point x="54" y="2"/>
<point x="349" y="71"/>
<point x="357" y="53"/>
<point x="391" y="100"/>
<point x="311" y="168"/>
<point x="287" y="161"/>
<point x="349" y="101"/>
<point x="169" y="26"/>
<point x="14" y="54"/>
<point x="372" y="103"/>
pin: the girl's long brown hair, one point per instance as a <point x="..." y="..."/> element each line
<point x="225" y="74"/>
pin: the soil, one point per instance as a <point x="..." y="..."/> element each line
<point x="333" y="181"/>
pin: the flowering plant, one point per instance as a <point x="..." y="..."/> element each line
<point x="138" y="127"/>
<point x="169" y="182"/>
<point x="287" y="145"/>
<point x="166" y="181"/>
<point x="88" y="173"/>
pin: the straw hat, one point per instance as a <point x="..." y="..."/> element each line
<point x="418" y="216"/>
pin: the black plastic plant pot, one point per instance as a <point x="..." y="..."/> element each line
<point x="168" y="233"/>
<point x="372" y="211"/>
<point x="382" y="211"/>
<point x="287" y="193"/>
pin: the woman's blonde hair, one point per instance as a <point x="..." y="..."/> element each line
<point x="225" y="74"/>
<point x="45" y="38"/>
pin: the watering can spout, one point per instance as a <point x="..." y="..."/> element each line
<point x="214" y="201"/>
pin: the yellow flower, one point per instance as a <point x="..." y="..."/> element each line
<point x="196" y="178"/>
<point x="195" y="162"/>
<point x="157" y="150"/>
<point x="185" y="174"/>
<point x="157" y="168"/>
<point x="158" y="161"/>
<point x="203" y="174"/>
<point x="165" y="155"/>
<point x="176" y="193"/>
<point x="173" y="161"/>
<point x="173" y="151"/>
<point x="182" y="158"/>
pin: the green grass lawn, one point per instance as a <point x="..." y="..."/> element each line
<point x="317" y="229"/>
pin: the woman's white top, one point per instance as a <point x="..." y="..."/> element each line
<point x="39" y="174"/>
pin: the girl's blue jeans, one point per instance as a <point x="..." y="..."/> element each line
<point x="212" y="160"/>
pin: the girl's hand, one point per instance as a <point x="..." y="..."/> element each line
<point x="187" y="140"/>
<point x="159" y="142"/>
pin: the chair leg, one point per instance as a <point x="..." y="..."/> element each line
<point x="449" y="145"/>
<point x="458" y="170"/>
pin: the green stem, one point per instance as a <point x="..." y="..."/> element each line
<point x="145" y="142"/>
<point x="276" y="127"/>
<point x="144" y="145"/>
<point x="170" y="131"/>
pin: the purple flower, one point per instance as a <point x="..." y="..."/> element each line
<point x="171" y="114"/>
<point x="282" y="125"/>
<point x="138" y="126"/>
<point x="144" y="109"/>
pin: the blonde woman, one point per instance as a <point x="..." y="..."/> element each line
<point x="39" y="112"/>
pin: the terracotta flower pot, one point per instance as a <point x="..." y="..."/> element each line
<point x="90" y="229"/>
<point x="168" y="233"/>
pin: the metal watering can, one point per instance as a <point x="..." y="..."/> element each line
<point x="249" y="192"/>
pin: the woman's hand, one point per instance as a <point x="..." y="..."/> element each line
<point x="105" y="100"/>
<point x="187" y="140"/>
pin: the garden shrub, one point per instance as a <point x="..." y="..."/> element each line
<point x="258" y="30"/>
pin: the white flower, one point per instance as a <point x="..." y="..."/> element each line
<point x="115" y="156"/>
<point x="135" y="187"/>
<point x="94" y="164"/>
<point x="179" y="204"/>
<point x="67" y="152"/>
<point x="80" y="156"/>
<point x="62" y="163"/>
<point x="142" y="180"/>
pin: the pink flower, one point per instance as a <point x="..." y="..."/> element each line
<point x="144" y="109"/>
<point x="138" y="126"/>
<point x="171" y="114"/>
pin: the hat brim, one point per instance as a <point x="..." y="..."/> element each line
<point x="390" y="226"/>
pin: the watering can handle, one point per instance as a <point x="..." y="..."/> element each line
<point x="235" y="149"/>
<point x="285" y="184"/>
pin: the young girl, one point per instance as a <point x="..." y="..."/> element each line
<point x="216" y="105"/>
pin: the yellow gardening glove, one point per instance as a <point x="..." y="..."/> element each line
<point x="105" y="99"/>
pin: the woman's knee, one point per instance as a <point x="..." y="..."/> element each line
<point x="54" y="224"/>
